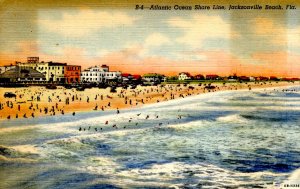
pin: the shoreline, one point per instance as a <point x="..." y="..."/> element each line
<point x="55" y="101"/>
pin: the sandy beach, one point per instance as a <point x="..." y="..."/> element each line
<point x="37" y="101"/>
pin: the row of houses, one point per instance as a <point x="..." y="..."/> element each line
<point x="188" y="76"/>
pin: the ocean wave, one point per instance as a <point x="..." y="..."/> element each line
<point x="236" y="118"/>
<point x="179" y="174"/>
<point x="10" y="154"/>
<point x="272" y="116"/>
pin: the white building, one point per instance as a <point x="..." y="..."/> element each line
<point x="113" y="75"/>
<point x="184" y="76"/>
<point x="93" y="74"/>
<point x="99" y="74"/>
<point x="251" y="78"/>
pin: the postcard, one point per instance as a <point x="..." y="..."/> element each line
<point x="149" y="94"/>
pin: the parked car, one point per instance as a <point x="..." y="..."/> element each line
<point x="51" y="87"/>
<point x="132" y="86"/>
<point x="102" y="86"/>
<point x="68" y="86"/>
<point x="113" y="89"/>
<point x="9" y="95"/>
<point x="210" y="87"/>
<point x="80" y="88"/>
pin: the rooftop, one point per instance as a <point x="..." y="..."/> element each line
<point x="22" y="73"/>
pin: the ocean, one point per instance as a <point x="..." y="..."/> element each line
<point x="229" y="139"/>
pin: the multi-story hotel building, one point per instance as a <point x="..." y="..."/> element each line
<point x="99" y="74"/>
<point x="93" y="74"/>
<point x="54" y="71"/>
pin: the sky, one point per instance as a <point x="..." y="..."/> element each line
<point x="242" y="42"/>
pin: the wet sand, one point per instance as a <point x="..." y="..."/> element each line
<point x="32" y="102"/>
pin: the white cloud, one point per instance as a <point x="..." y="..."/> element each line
<point x="85" y="22"/>
<point x="277" y="34"/>
<point x="265" y="27"/>
<point x="156" y="40"/>
<point x="293" y="35"/>
<point x="196" y="57"/>
<point x="151" y="42"/>
<point x="102" y="52"/>
<point x="201" y="27"/>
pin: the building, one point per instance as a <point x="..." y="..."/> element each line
<point x="104" y="68"/>
<point x="113" y="76"/>
<point x="6" y="68"/>
<point x="251" y="78"/>
<point x="99" y="74"/>
<point x="137" y="77"/>
<point x="184" y="76"/>
<point x="152" y="77"/>
<point x="72" y="73"/>
<point x="94" y="74"/>
<point x="274" y="78"/>
<point x="290" y="79"/>
<point x="244" y="78"/>
<point x="126" y="77"/>
<point x="54" y="71"/>
<point x="34" y="59"/>
<point x="261" y="78"/>
<point x="23" y="75"/>
<point x="199" y="77"/>
<point x="232" y="78"/>
<point x="212" y="77"/>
